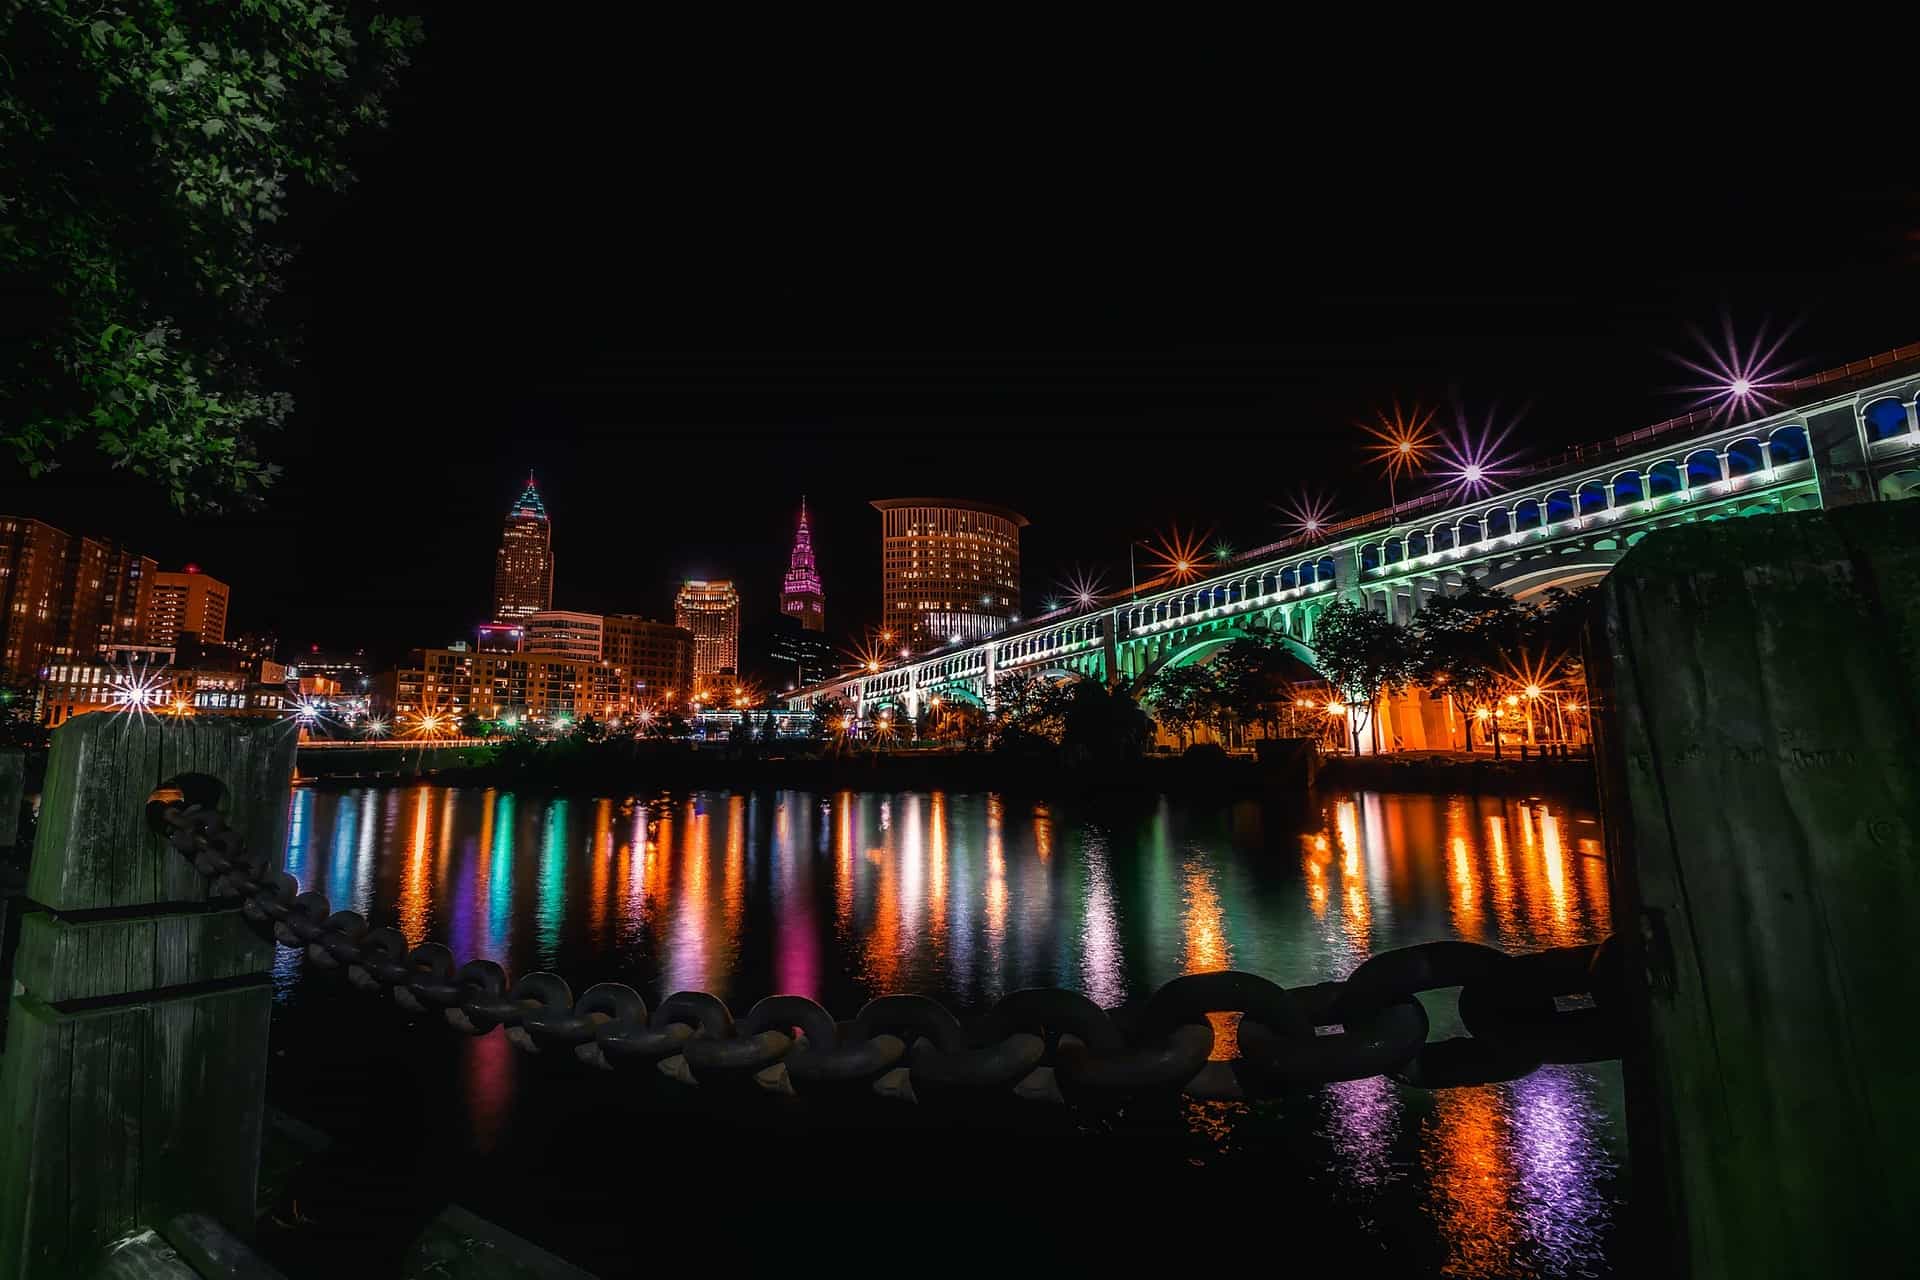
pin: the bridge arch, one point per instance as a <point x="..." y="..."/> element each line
<point x="1886" y="418"/>
<point x="1533" y="577"/>
<point x="1901" y="484"/>
<point x="1202" y="645"/>
<point x="1789" y="444"/>
<point x="1745" y="456"/>
<point x="1704" y="467"/>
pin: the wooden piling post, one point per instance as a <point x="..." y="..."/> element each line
<point x="134" y="1076"/>
<point x="1758" y="685"/>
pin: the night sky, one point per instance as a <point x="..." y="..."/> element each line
<point x="686" y="286"/>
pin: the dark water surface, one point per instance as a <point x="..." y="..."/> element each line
<point x="964" y="896"/>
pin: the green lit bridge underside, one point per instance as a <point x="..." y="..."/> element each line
<point x="1565" y="527"/>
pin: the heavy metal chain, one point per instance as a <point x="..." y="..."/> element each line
<point x="1560" y="1005"/>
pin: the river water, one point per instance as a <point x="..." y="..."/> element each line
<point x="849" y="895"/>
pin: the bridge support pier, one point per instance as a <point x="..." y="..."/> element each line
<point x="133" y="1081"/>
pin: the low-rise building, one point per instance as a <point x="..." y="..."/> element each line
<point x="436" y="688"/>
<point x="657" y="658"/>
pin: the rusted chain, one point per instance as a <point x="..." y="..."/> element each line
<point x="1521" y="1011"/>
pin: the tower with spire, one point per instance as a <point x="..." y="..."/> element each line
<point x="801" y="596"/>
<point x="523" y="568"/>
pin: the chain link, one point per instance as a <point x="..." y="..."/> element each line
<point x="1522" y="1011"/>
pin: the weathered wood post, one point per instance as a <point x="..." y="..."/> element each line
<point x="134" y="1077"/>
<point x="1760" y="688"/>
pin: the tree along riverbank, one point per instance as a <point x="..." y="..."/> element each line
<point x="618" y="766"/>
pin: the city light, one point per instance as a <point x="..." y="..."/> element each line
<point x="1470" y="460"/>
<point x="1403" y="441"/>
<point x="1178" y="555"/>
<point x="1083" y="587"/>
<point x="1223" y="551"/>
<point x="137" y="688"/>
<point x="375" y="727"/>
<point x="1306" y="514"/>
<point x="1736" y="377"/>
<point x="430" y="724"/>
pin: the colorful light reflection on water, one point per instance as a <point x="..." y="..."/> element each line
<point x="967" y="896"/>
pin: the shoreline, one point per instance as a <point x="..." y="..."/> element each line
<point x="1174" y="775"/>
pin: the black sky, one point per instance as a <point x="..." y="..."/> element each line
<point x="686" y="286"/>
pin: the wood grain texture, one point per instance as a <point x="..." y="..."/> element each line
<point x="63" y="960"/>
<point x="1763" y="799"/>
<point x="116" y="1118"/>
<point x="100" y="772"/>
<point x="13" y="786"/>
<point x="122" y="1115"/>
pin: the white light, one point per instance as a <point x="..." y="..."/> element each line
<point x="1740" y="387"/>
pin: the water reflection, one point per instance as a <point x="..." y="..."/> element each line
<point x="967" y="896"/>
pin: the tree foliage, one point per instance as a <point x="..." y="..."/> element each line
<point x="1028" y="710"/>
<point x="1102" y="725"/>
<point x="147" y="151"/>
<point x="1184" y="698"/>
<point x="1468" y="644"/>
<point x="1364" y="655"/>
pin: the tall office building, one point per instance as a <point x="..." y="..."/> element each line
<point x="126" y="596"/>
<point x="780" y="654"/>
<point x="801" y="595"/>
<point x="523" y="569"/>
<point x="950" y="569"/>
<point x="186" y="601"/>
<point x="573" y="635"/>
<point x="655" y="659"/>
<point x="711" y="611"/>
<point x="64" y="599"/>
<point x="33" y="571"/>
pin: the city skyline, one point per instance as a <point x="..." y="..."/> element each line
<point x="1105" y="363"/>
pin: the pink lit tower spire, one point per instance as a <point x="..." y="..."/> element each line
<point x="801" y="596"/>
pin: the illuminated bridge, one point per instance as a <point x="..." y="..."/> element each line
<point x="1853" y="437"/>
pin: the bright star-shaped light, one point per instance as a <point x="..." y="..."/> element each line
<point x="1404" y="440"/>
<point x="1176" y="554"/>
<point x="1084" y="587"/>
<point x="1737" y="377"/>
<point x="1470" y="459"/>
<point x="1306" y="514"/>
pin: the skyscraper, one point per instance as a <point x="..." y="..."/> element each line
<point x="711" y="611"/>
<point x="523" y="569"/>
<point x="950" y="569"/>
<point x="186" y="601"/>
<point x="801" y="595"/>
